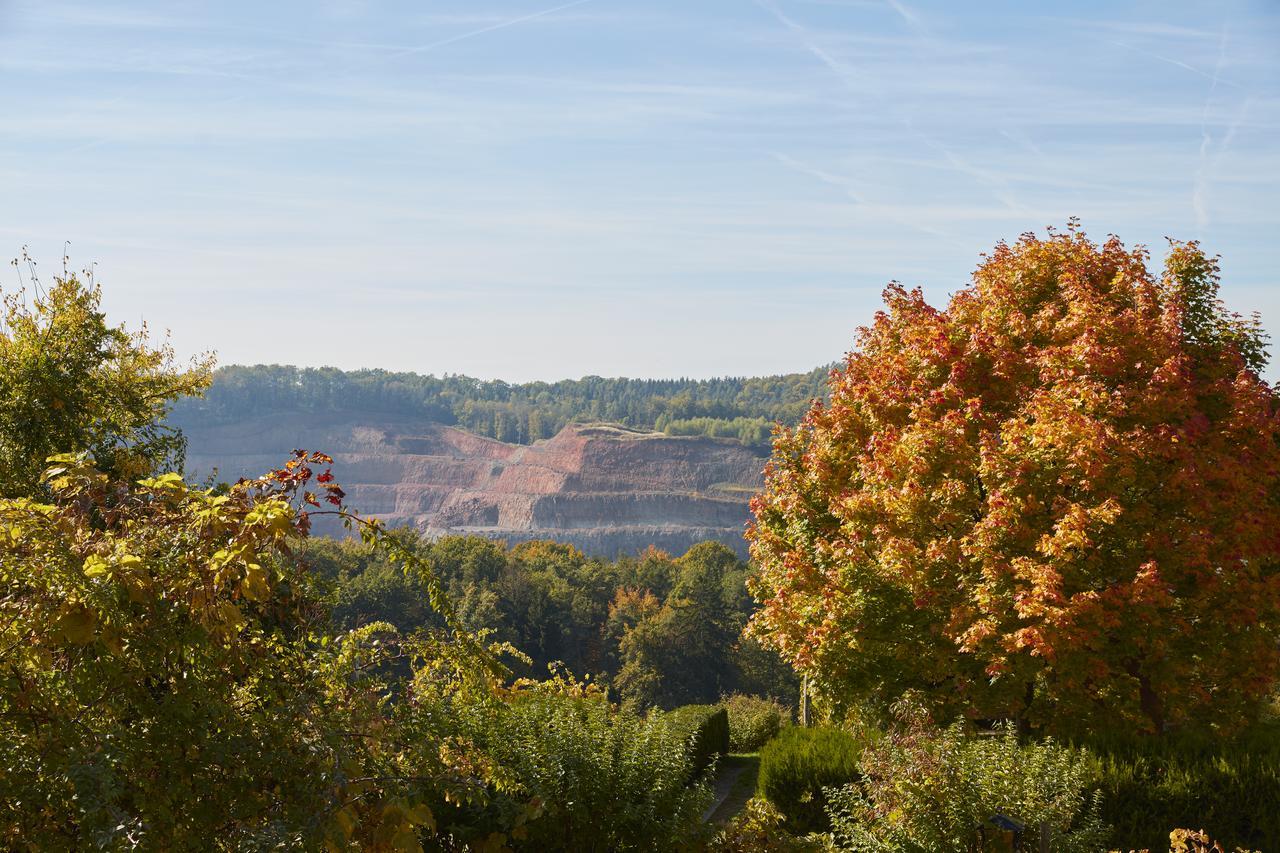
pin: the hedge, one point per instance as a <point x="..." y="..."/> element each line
<point x="797" y="764"/>
<point x="753" y="721"/>
<point x="705" y="729"/>
<point x="1230" y="788"/>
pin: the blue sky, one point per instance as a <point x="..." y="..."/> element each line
<point x="526" y="190"/>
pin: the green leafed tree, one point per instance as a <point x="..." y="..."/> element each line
<point x="69" y="381"/>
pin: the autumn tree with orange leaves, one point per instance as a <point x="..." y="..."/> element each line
<point x="1054" y="501"/>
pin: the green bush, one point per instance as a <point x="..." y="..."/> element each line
<point x="798" y="764"/>
<point x="925" y="789"/>
<point x="705" y="732"/>
<point x="1230" y="788"/>
<point x="605" y="778"/>
<point x="753" y="721"/>
<point x="761" y="828"/>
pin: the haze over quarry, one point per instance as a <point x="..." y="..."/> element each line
<point x="532" y="190"/>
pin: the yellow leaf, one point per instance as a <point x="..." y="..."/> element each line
<point x="112" y="640"/>
<point x="420" y="815"/>
<point x="95" y="566"/>
<point x="406" y="840"/>
<point x="254" y="586"/>
<point x="345" y="821"/>
<point x="230" y="616"/>
<point x="77" y="625"/>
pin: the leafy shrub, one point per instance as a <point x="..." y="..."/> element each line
<point x="761" y="828"/>
<point x="604" y="778"/>
<point x="1229" y="788"/>
<point x="705" y="732"/>
<point x="168" y="682"/>
<point x="798" y="764"/>
<point x="753" y="721"/>
<point x="1191" y="841"/>
<point x="925" y="789"/>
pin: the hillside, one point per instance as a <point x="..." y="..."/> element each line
<point x="744" y="408"/>
<point x="606" y="489"/>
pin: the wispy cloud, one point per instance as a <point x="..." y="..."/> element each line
<point x="908" y="15"/>
<point x="907" y="216"/>
<point x="1151" y="29"/>
<point x="497" y="25"/>
<point x="841" y="69"/>
<point x="1177" y="63"/>
<point x="724" y="157"/>
<point x="98" y="15"/>
<point x="840" y="183"/>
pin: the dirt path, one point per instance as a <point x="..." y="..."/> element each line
<point x="735" y="784"/>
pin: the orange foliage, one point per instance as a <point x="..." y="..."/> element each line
<point x="1054" y="501"/>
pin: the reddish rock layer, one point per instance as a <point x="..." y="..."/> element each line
<point x="605" y="489"/>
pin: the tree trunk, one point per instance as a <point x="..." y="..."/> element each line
<point x="1024" y="717"/>
<point x="1148" y="699"/>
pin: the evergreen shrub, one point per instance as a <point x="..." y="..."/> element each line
<point x="799" y="763"/>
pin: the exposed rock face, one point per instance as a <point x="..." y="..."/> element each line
<point x="607" y="490"/>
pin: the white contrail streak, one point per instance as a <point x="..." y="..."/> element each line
<point x="422" y="48"/>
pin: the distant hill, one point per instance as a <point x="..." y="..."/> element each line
<point x="677" y="466"/>
<point x="733" y="407"/>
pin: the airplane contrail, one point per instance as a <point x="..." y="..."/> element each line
<point x="498" y="26"/>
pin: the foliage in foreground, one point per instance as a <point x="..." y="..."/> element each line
<point x="926" y="790"/>
<point x="170" y="681"/>
<point x="1053" y="501"/>
<point x="797" y="768"/>
<point x="602" y="778"/>
<point x="163" y="677"/>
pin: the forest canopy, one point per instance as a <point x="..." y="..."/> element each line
<point x="733" y="407"/>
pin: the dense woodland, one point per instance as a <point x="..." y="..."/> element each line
<point x="654" y="630"/>
<point x="741" y="408"/>
<point x="1017" y="582"/>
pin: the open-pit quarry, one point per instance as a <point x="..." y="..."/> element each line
<point x="606" y="489"/>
